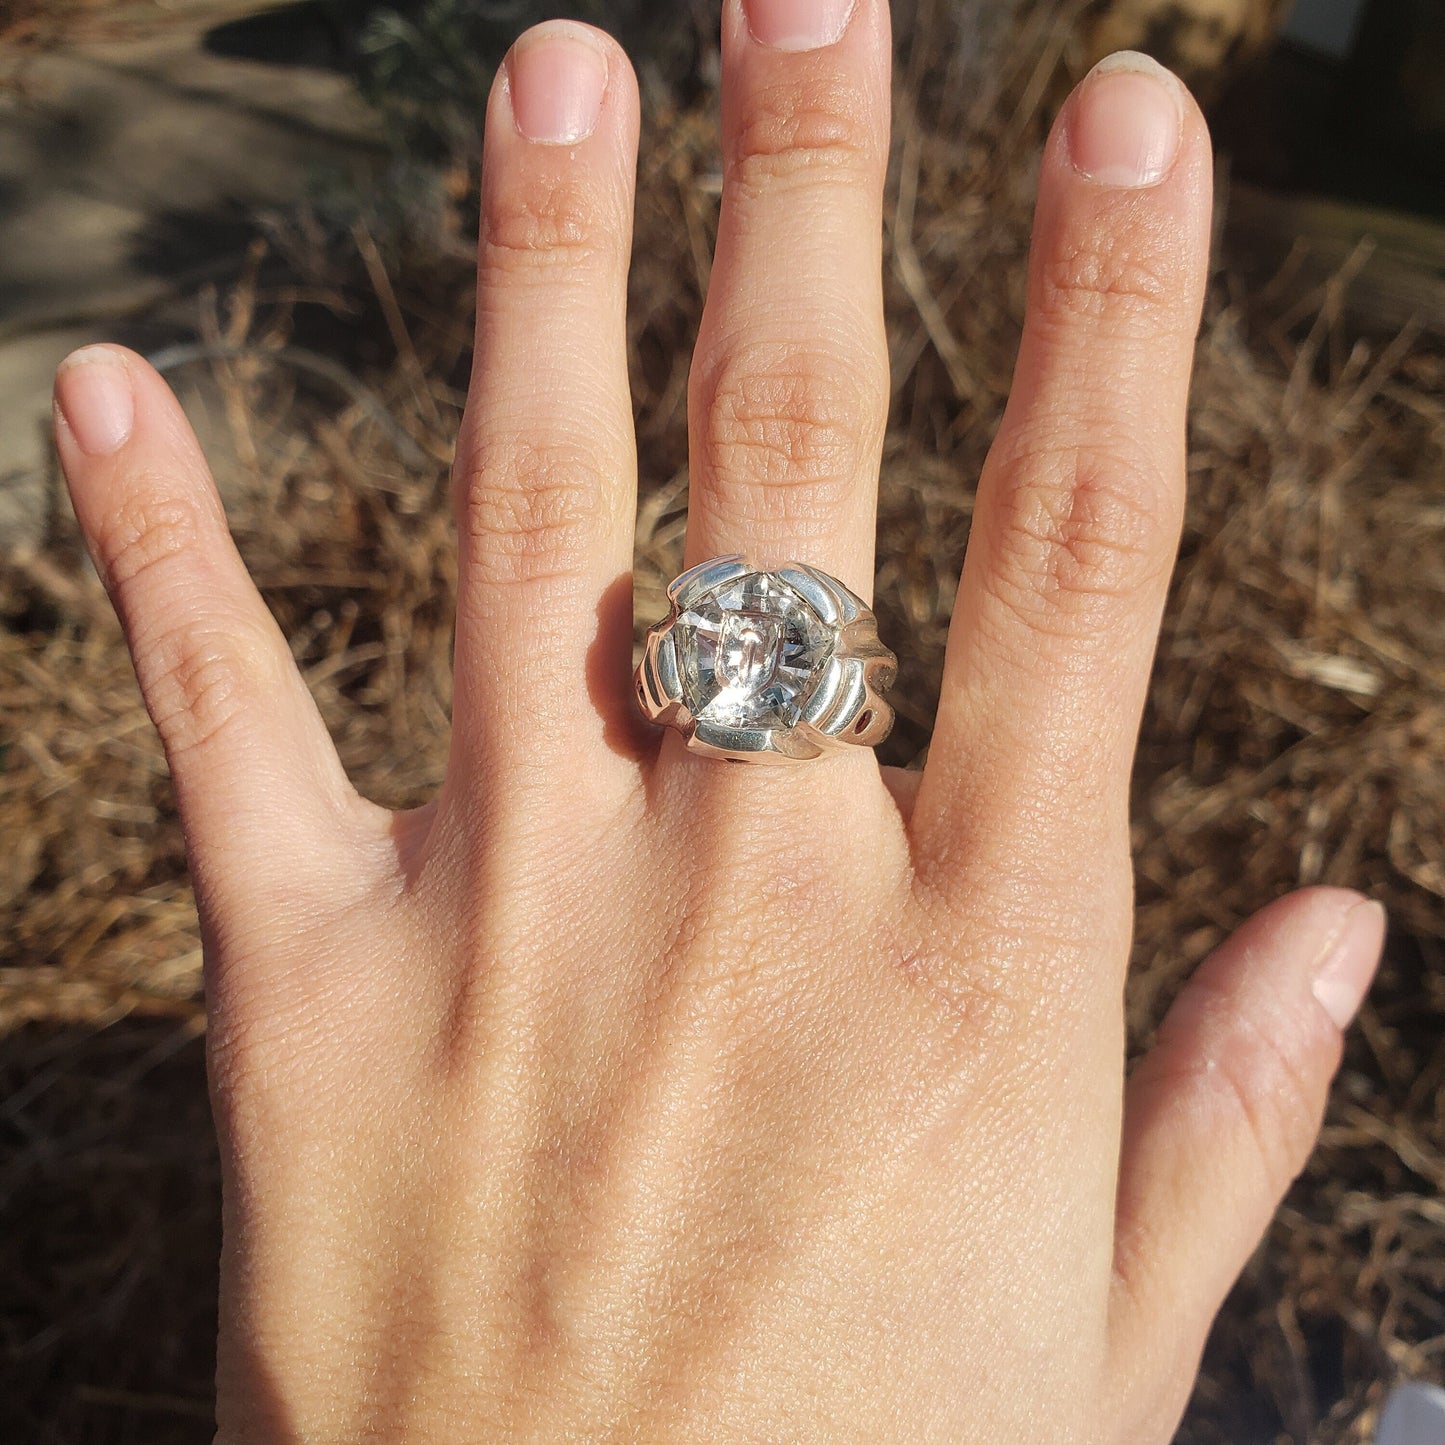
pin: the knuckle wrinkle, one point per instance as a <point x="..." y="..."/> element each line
<point x="563" y="221"/>
<point x="790" y="130"/>
<point x="1102" y="278"/>
<point x="532" y="511"/>
<point x="142" y="533"/>
<point x="196" y="686"/>
<point x="1082" y="526"/>
<point x="795" y="429"/>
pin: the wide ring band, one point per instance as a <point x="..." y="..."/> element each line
<point x="767" y="666"/>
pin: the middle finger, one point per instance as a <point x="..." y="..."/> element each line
<point x="789" y="391"/>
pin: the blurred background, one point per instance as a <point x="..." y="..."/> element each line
<point x="277" y="205"/>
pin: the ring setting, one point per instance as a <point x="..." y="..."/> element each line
<point x="767" y="666"/>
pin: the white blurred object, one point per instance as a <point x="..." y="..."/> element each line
<point x="1414" y="1416"/>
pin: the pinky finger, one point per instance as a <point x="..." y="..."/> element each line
<point x="1219" y="1118"/>
<point x="258" y="783"/>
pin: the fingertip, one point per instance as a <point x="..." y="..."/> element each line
<point x="561" y="79"/>
<point x="1317" y="945"/>
<point x="1128" y="123"/>
<point x="1343" y="976"/>
<point x="95" y="400"/>
<point x="1318" y="911"/>
<point x="96" y="351"/>
<point x="579" y="32"/>
<point x="1125" y="123"/>
<point x="556" y="81"/>
<point x="797" y="25"/>
<point x="791" y="31"/>
<point x="1131" y="143"/>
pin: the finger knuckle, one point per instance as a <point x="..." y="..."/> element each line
<point x="197" y="682"/>
<point x="1281" y="1123"/>
<point x="1270" y="1079"/>
<point x="812" y="130"/>
<point x="563" y="222"/>
<point x="1103" y="275"/>
<point x="1081" y="527"/>
<point x="973" y="994"/>
<point x="142" y="532"/>
<point x="532" y="511"/>
<point x="786" y="434"/>
<point x="967" y="998"/>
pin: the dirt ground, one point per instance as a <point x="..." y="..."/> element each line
<point x="1295" y="734"/>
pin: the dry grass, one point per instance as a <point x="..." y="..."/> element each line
<point x="27" y="26"/>
<point x="1296" y="734"/>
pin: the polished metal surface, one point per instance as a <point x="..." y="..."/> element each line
<point x="767" y="666"/>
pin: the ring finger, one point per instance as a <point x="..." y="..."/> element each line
<point x="789" y="389"/>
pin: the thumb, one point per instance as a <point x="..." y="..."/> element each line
<point x="1220" y="1116"/>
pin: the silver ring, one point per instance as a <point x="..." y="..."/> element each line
<point x="767" y="666"/>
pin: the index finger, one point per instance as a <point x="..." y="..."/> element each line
<point x="1081" y="501"/>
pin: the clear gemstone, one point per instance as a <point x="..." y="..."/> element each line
<point x="750" y="653"/>
<point x="749" y="649"/>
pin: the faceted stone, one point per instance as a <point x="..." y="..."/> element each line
<point x="749" y="649"/>
<point x="750" y="653"/>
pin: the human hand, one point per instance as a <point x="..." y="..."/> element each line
<point x="623" y="1094"/>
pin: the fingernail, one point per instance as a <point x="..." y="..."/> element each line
<point x="557" y="76"/>
<point x="798" y="24"/>
<point x="1126" y="122"/>
<point x="94" y="397"/>
<point x="1343" y="976"/>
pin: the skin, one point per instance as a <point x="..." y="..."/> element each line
<point x="621" y="1094"/>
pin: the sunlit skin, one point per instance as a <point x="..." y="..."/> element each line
<point x="623" y="1094"/>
